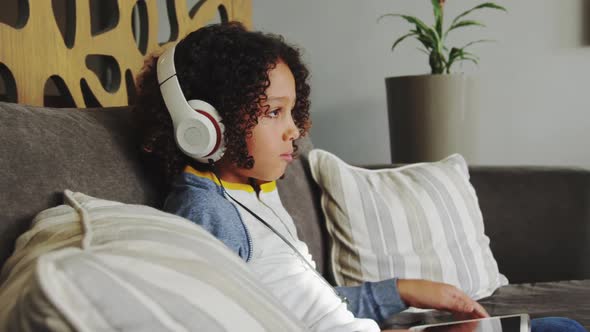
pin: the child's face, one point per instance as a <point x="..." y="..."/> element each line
<point x="271" y="142"/>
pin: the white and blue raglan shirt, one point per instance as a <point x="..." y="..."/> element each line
<point x="197" y="196"/>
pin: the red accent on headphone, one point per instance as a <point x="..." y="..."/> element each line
<point x="217" y="129"/>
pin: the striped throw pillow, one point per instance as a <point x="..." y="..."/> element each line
<point x="97" y="265"/>
<point x="420" y="221"/>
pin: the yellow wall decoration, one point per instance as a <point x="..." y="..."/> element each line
<point x="35" y="52"/>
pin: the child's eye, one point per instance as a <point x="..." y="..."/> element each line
<point x="274" y="113"/>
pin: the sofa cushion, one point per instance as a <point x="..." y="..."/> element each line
<point x="420" y="221"/>
<point x="550" y="205"/>
<point x="93" y="264"/>
<point x="538" y="220"/>
<point x="46" y="150"/>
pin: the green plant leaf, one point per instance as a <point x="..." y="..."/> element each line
<point x="427" y="42"/>
<point x="400" y="39"/>
<point x="433" y="37"/>
<point x="438" y="16"/>
<point x="461" y="24"/>
<point x="468" y="54"/>
<point x="420" y="26"/>
<point x="410" y="19"/>
<point x="424" y="39"/>
<point x="490" y="5"/>
<point x="453" y="55"/>
<point x="423" y="50"/>
<point x="472" y="59"/>
<point x="477" y="42"/>
<point x="458" y="54"/>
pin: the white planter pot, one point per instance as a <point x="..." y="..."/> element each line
<point x="432" y="116"/>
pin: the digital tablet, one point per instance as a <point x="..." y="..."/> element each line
<point x="511" y="323"/>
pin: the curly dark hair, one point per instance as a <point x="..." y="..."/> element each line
<point x="227" y="66"/>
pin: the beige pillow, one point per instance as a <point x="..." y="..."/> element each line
<point x="418" y="221"/>
<point x="97" y="265"/>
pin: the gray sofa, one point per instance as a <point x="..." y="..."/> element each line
<point x="538" y="218"/>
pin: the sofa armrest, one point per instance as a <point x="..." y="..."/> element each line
<point x="537" y="218"/>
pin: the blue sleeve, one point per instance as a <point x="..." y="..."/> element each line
<point x="211" y="211"/>
<point x="374" y="300"/>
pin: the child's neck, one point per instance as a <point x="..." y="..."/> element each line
<point x="227" y="174"/>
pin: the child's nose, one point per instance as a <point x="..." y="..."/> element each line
<point x="292" y="132"/>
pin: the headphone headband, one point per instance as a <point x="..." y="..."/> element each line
<point x="166" y="68"/>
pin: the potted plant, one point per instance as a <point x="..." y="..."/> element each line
<point x="430" y="115"/>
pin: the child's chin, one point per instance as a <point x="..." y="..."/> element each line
<point x="279" y="176"/>
<point x="271" y="178"/>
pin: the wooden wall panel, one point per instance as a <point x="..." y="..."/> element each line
<point x="36" y="51"/>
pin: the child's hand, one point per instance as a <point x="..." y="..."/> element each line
<point x="435" y="295"/>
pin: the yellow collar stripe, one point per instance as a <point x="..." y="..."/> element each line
<point x="265" y="187"/>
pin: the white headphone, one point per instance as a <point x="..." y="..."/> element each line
<point x="197" y="125"/>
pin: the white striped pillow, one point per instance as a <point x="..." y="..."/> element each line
<point x="97" y="265"/>
<point x="420" y="221"/>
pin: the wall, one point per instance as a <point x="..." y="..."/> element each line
<point x="535" y="104"/>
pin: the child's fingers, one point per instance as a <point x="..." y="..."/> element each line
<point x="472" y="309"/>
<point x="481" y="311"/>
<point x="461" y="302"/>
<point x="464" y="304"/>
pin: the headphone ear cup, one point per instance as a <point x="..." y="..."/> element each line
<point x="193" y="136"/>
<point x="215" y="132"/>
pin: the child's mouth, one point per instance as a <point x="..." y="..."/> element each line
<point x="287" y="157"/>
